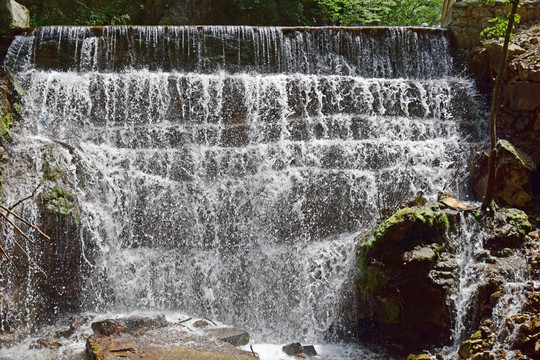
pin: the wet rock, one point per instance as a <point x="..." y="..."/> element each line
<point x="201" y="323"/>
<point x="45" y="344"/>
<point x="513" y="174"/>
<point x="232" y="336"/>
<point x="108" y="327"/>
<point x="406" y="277"/>
<point x="8" y="340"/>
<point x="297" y="350"/>
<point x="507" y="229"/>
<point x="135" y="323"/>
<point x="309" y="350"/>
<point x="75" y="324"/>
<point x="293" y="349"/>
<point x="160" y="345"/>
<point x="402" y="289"/>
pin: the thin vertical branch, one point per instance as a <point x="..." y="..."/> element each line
<point x="490" y="186"/>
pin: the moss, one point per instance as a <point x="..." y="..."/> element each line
<point x="56" y="197"/>
<point x="477" y="215"/>
<point x="443" y="220"/>
<point x="6" y="124"/>
<point x="397" y="218"/>
<point x="519" y="219"/>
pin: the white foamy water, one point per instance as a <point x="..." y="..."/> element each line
<point x="225" y="172"/>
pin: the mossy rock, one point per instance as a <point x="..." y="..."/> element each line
<point x="519" y="219"/>
<point x="408" y="223"/>
<point x="524" y="159"/>
<point x="397" y="295"/>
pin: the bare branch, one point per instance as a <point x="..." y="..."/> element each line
<point x="17" y="228"/>
<point x="4" y="252"/>
<point x="26" y="222"/>
<point x="39" y="185"/>
<point x="30" y="258"/>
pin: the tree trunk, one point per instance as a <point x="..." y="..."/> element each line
<point x="490" y="186"/>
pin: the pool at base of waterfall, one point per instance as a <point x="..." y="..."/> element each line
<point x="62" y="341"/>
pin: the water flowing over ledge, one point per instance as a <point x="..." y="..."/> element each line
<point x="365" y="51"/>
<point x="226" y="170"/>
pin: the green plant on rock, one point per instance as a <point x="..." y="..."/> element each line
<point x="500" y="22"/>
<point x="6" y="124"/>
<point x="56" y="197"/>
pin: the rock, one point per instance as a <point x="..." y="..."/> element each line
<point x="13" y="15"/>
<point x="522" y="95"/>
<point x="108" y="327"/>
<point x="75" y="324"/>
<point x="494" y="49"/>
<point x="293" y="349"/>
<point x="508" y="229"/>
<point x="309" y="350"/>
<point x="232" y="336"/>
<point x="135" y="323"/>
<point x="7" y="340"/>
<point x="423" y="254"/>
<point x="161" y="345"/>
<point x="201" y="323"/>
<point x="45" y="344"/>
<point x="418" y="357"/>
<point x="513" y="172"/>
<point x="402" y="290"/>
<point x="456" y="204"/>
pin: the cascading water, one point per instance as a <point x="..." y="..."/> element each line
<point x="225" y="171"/>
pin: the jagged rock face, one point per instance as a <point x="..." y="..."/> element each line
<point x="467" y="19"/>
<point x="513" y="173"/>
<point x="403" y="282"/>
<point x="408" y="281"/>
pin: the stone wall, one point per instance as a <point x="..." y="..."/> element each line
<point x="467" y="19"/>
<point x="519" y="115"/>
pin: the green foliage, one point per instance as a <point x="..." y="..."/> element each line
<point x="500" y="22"/>
<point x="5" y="127"/>
<point x="247" y="12"/>
<point x="56" y="197"/>
<point x="380" y="12"/>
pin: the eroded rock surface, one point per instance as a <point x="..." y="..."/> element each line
<point x="410" y="269"/>
<point x="162" y="345"/>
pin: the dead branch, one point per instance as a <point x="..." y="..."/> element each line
<point x="17" y="228"/>
<point x="4" y="252"/>
<point x="26" y="222"/>
<point x="48" y="178"/>
<point x="30" y="258"/>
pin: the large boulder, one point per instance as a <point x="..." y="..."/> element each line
<point x="13" y="15"/>
<point x="512" y="176"/>
<point x="408" y="284"/>
<point x="402" y="290"/>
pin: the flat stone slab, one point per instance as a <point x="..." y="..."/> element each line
<point x="162" y="345"/>
<point x="456" y="204"/>
<point x="232" y="336"/>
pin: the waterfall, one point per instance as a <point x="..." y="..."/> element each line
<point x="225" y="171"/>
